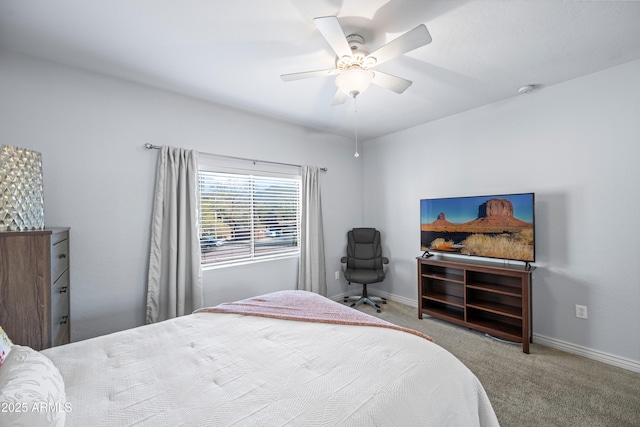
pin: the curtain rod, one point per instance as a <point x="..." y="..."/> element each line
<point x="157" y="147"/>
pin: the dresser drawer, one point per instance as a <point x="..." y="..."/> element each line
<point x="60" y="319"/>
<point x="59" y="255"/>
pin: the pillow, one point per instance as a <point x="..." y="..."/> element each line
<point x="5" y="345"/>
<point x="31" y="390"/>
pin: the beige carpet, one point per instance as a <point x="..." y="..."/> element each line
<point x="547" y="387"/>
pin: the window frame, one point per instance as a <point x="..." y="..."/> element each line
<point x="252" y="175"/>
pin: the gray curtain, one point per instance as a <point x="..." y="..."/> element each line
<point x="175" y="275"/>
<point x="311" y="271"/>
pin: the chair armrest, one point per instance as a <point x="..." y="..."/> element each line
<point x="385" y="260"/>
<point x="385" y="265"/>
<point x="343" y="263"/>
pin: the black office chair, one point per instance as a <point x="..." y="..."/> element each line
<point x="364" y="263"/>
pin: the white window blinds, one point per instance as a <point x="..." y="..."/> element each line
<point x="247" y="217"/>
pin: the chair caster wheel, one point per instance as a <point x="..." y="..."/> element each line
<point x="378" y="311"/>
<point x="353" y="305"/>
<point x="384" y="302"/>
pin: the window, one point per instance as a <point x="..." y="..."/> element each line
<point x="246" y="217"/>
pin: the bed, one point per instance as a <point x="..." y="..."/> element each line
<point x="288" y="358"/>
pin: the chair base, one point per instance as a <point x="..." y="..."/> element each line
<point x="366" y="299"/>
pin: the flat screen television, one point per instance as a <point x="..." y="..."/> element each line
<point x="499" y="226"/>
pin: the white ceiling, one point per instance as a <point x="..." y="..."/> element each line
<point x="233" y="52"/>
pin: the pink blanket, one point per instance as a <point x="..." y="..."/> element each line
<point x="304" y="306"/>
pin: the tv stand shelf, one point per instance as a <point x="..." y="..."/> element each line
<point x="478" y="295"/>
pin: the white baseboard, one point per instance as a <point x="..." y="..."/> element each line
<point x="589" y="353"/>
<point x="374" y="292"/>
<point x="396" y="298"/>
<point x="340" y="297"/>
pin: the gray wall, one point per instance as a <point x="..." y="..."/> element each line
<point x="577" y="146"/>
<point x="99" y="180"/>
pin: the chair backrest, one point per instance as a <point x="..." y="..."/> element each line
<point x="364" y="251"/>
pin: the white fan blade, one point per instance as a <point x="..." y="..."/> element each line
<point x="308" y="74"/>
<point x="387" y="81"/>
<point x="407" y="42"/>
<point x="339" y="98"/>
<point x="330" y="28"/>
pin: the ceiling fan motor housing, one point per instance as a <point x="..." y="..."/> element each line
<point x="359" y="57"/>
<point x="355" y="41"/>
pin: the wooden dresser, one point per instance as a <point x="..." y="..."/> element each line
<point x="34" y="287"/>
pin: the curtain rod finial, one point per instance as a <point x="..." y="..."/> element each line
<point x="151" y="146"/>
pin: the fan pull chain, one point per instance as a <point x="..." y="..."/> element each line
<point x="355" y="104"/>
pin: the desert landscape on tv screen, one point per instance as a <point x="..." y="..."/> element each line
<point x="488" y="226"/>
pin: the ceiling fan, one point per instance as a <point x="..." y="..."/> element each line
<point x="354" y="65"/>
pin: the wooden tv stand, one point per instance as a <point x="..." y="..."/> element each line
<point x="478" y="295"/>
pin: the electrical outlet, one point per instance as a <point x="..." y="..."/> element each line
<point x="581" y="311"/>
<point x="337" y="275"/>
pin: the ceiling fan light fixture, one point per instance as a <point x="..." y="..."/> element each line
<point x="354" y="81"/>
<point x="369" y="62"/>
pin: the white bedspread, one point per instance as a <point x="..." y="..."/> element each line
<point x="214" y="369"/>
